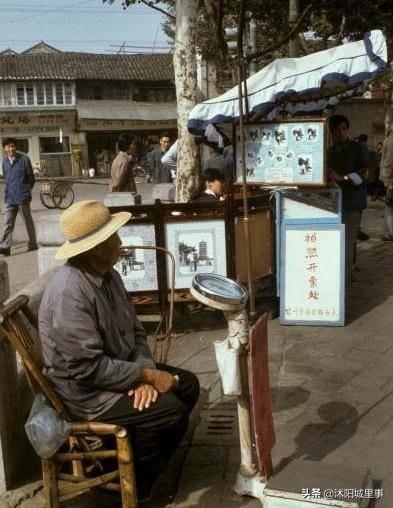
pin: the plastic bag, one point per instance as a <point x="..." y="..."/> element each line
<point x="228" y="367"/>
<point x="46" y="431"/>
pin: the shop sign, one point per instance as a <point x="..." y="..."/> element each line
<point x="11" y="123"/>
<point x="312" y="281"/>
<point x="93" y="124"/>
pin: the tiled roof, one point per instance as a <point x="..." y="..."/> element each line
<point x="74" y="66"/>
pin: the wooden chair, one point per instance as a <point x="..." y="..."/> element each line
<point x="58" y="485"/>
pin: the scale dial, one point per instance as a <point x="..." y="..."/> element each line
<point x="218" y="291"/>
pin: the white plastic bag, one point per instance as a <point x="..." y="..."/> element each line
<point x="228" y="366"/>
<point x="46" y="431"/>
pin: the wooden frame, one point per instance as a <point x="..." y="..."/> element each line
<point x="229" y="211"/>
<point x="269" y="126"/>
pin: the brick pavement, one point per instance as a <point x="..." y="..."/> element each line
<point x="332" y="391"/>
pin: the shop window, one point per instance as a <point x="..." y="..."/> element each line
<point x="22" y="145"/>
<point x="120" y="92"/>
<point x="20" y="94"/>
<point x="6" y="94"/>
<point x="59" y="93"/>
<point x="49" y="93"/>
<point x="68" y="93"/>
<point x="40" y="94"/>
<point x="53" y="145"/>
<point x="36" y="94"/>
<point x="29" y="95"/>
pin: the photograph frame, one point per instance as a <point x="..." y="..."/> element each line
<point x="145" y="279"/>
<point x="199" y="246"/>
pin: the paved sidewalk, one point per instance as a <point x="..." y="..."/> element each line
<point x="332" y="391"/>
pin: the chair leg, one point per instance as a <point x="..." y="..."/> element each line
<point x="77" y="465"/>
<point x="126" y="470"/>
<point x="51" y="491"/>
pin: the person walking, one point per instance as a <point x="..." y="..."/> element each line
<point x="19" y="181"/>
<point x="386" y="175"/>
<point x="122" y="171"/>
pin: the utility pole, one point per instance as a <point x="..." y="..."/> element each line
<point x="294" y="43"/>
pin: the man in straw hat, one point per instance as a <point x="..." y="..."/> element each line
<point x="95" y="349"/>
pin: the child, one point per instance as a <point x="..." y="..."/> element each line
<point x="213" y="181"/>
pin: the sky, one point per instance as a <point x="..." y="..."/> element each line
<point x="81" y="25"/>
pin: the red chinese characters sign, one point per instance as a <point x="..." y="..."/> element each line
<point x="313" y="289"/>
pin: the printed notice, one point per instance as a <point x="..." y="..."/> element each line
<point x="313" y="276"/>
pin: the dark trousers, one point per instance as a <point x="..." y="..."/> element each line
<point x="352" y="228"/>
<point x="11" y="211"/>
<point x="156" y="431"/>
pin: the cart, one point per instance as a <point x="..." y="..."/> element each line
<point x="56" y="194"/>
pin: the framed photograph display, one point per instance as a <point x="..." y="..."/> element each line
<point x="138" y="267"/>
<point x="285" y="153"/>
<point x="198" y="247"/>
<point x="312" y="285"/>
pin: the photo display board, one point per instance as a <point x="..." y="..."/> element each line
<point x="283" y="153"/>
<point x="312" y="289"/>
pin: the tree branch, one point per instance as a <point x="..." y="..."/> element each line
<point x="342" y="28"/>
<point x="304" y="45"/>
<point x="282" y="41"/>
<point x="153" y="6"/>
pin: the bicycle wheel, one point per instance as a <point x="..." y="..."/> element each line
<point x="63" y="195"/>
<point x="46" y="200"/>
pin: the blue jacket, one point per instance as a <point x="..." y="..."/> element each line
<point x="19" y="179"/>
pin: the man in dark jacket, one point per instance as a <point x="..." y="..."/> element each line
<point x="213" y="181"/>
<point x="19" y="180"/>
<point x="346" y="164"/>
<point x="160" y="172"/>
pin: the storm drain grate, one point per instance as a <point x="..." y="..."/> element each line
<point x="218" y="424"/>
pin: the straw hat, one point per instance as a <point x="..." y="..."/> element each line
<point x="87" y="224"/>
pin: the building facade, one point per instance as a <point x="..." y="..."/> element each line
<point x="67" y="109"/>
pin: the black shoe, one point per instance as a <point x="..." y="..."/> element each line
<point x="5" y="252"/>
<point x="362" y="236"/>
<point x="32" y="248"/>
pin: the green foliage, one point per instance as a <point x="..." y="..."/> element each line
<point x="330" y="20"/>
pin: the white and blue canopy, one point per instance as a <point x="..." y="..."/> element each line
<point x="299" y="85"/>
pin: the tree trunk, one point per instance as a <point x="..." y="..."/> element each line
<point x="184" y="61"/>
<point x="389" y="102"/>
<point x="294" y="44"/>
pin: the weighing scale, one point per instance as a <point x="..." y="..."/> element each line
<point x="231" y="297"/>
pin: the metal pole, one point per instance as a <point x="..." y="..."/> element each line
<point x="246" y="219"/>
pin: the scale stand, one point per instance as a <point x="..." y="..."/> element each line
<point x="231" y="298"/>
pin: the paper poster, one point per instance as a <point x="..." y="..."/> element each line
<point x="312" y="264"/>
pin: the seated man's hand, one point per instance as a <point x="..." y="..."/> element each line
<point x="162" y="381"/>
<point x="144" y="395"/>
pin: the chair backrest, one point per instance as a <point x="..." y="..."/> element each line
<point x="12" y="321"/>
